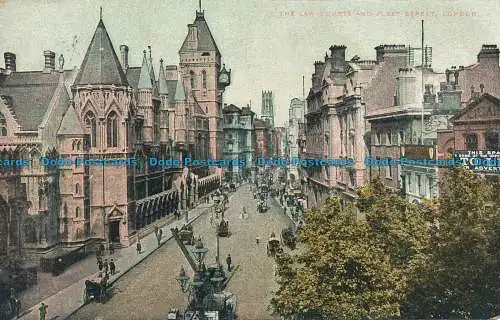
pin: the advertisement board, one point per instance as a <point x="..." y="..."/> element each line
<point x="485" y="161"/>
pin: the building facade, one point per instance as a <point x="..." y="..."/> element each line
<point x="295" y="118"/>
<point x="238" y="132"/>
<point x="261" y="139"/>
<point x="105" y="119"/>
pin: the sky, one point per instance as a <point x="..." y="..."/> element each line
<point x="268" y="44"/>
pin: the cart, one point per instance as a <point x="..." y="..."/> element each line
<point x="273" y="246"/>
<point x="96" y="289"/>
<point x="186" y="235"/>
<point x="223" y="229"/>
<point x="288" y="238"/>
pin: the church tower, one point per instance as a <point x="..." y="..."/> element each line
<point x="200" y="62"/>
<point x="267" y="111"/>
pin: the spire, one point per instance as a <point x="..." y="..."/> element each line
<point x="199" y="2"/>
<point x="151" y="69"/>
<point x="180" y="94"/>
<point x="144" y="77"/>
<point x="100" y="13"/>
<point x="101" y="64"/>
<point x="205" y="40"/>
<point x="162" y="80"/>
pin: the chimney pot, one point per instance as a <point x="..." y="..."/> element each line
<point x="10" y="61"/>
<point x="50" y="61"/>
<point x="124" y="56"/>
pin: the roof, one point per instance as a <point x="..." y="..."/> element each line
<point x="133" y="76"/>
<point x="180" y="94"/>
<point x="101" y="65"/>
<point x="259" y="123"/>
<point x="206" y="41"/>
<point x="246" y="111"/>
<point x="231" y="109"/>
<point x="473" y="104"/>
<point x="145" y="76"/>
<point x="30" y="94"/>
<point x="70" y="123"/>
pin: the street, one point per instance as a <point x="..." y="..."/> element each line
<point x="149" y="290"/>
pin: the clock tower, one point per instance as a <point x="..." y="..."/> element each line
<point x="200" y="68"/>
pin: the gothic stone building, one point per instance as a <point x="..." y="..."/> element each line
<point x="105" y="110"/>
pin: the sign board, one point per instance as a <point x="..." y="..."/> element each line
<point x="415" y="152"/>
<point x="485" y="161"/>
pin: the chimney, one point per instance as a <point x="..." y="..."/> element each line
<point x="488" y="54"/>
<point x="171" y="71"/>
<point x="192" y="40"/>
<point x="338" y="57"/>
<point x="10" y="61"/>
<point x="385" y="50"/>
<point x="50" y="61"/>
<point x="124" y="56"/>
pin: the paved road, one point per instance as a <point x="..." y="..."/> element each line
<point x="150" y="289"/>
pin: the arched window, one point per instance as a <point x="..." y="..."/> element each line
<point x="78" y="145"/>
<point x="90" y="122"/>
<point x="3" y="126"/>
<point x="204" y="79"/>
<point x="112" y="129"/>
<point x="77" y="212"/>
<point x="192" y="78"/>
<point x="77" y="188"/>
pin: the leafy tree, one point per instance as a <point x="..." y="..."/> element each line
<point x="353" y="268"/>
<point x="461" y="274"/>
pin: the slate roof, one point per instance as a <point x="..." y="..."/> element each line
<point x="246" y="111"/>
<point x="162" y="80"/>
<point x="145" y="76"/>
<point x="180" y="94"/>
<point x="231" y="109"/>
<point x="133" y="75"/>
<point x="70" y="123"/>
<point x="206" y="41"/>
<point x="101" y="64"/>
<point x="29" y="95"/>
<point x="258" y="123"/>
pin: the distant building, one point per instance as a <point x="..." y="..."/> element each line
<point x="238" y="131"/>
<point x="279" y="140"/>
<point x="268" y="111"/>
<point x="262" y="138"/>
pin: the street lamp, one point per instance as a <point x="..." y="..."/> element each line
<point x="183" y="280"/>
<point x="200" y="252"/>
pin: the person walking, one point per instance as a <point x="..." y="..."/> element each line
<point x="112" y="267"/>
<point x="43" y="311"/>
<point x="229" y="261"/>
<point x="159" y="235"/>
<point x="139" y="247"/>
<point x="111" y="248"/>
<point x="99" y="264"/>
<point x="106" y="266"/>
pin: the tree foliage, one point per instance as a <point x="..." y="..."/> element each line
<point x="391" y="259"/>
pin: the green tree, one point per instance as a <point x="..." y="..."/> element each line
<point x="461" y="274"/>
<point x="353" y="268"/>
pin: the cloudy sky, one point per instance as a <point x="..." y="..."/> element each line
<point x="269" y="44"/>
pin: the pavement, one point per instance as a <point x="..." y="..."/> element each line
<point x="62" y="304"/>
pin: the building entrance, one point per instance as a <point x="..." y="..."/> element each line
<point x="114" y="231"/>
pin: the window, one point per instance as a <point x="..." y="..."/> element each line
<point x="378" y="138"/>
<point x="90" y="122"/>
<point x="77" y="212"/>
<point x="401" y="137"/>
<point x="77" y="188"/>
<point x="3" y="126"/>
<point x="419" y="184"/>
<point x="192" y="78"/>
<point x="431" y="187"/>
<point x="389" y="138"/>
<point x="112" y="130"/>
<point x="491" y="141"/>
<point x="471" y="142"/>
<point x="204" y="79"/>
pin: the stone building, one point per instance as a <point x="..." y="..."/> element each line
<point x="295" y="117"/>
<point x="268" y="111"/>
<point x="104" y="120"/>
<point x="279" y="140"/>
<point x="261" y="138"/>
<point x="200" y="67"/>
<point x="238" y="132"/>
<point x="342" y="93"/>
<point x="474" y="134"/>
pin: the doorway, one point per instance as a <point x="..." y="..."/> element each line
<point x="114" y="231"/>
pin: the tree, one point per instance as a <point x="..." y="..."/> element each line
<point x="461" y="275"/>
<point x="352" y="268"/>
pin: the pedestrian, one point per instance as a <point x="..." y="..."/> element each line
<point x="43" y="311"/>
<point x="257" y="240"/>
<point x="106" y="266"/>
<point x="99" y="264"/>
<point x="159" y="234"/>
<point x="112" y="267"/>
<point x="228" y="261"/>
<point x="111" y="248"/>
<point x="139" y="247"/>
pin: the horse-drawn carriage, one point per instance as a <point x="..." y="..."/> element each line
<point x="288" y="238"/>
<point x="273" y="246"/>
<point x="186" y="234"/>
<point x="223" y="228"/>
<point x="262" y="206"/>
<point x="97" y="289"/>
<point x="232" y="187"/>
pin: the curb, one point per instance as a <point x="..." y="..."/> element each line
<point x="68" y="317"/>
